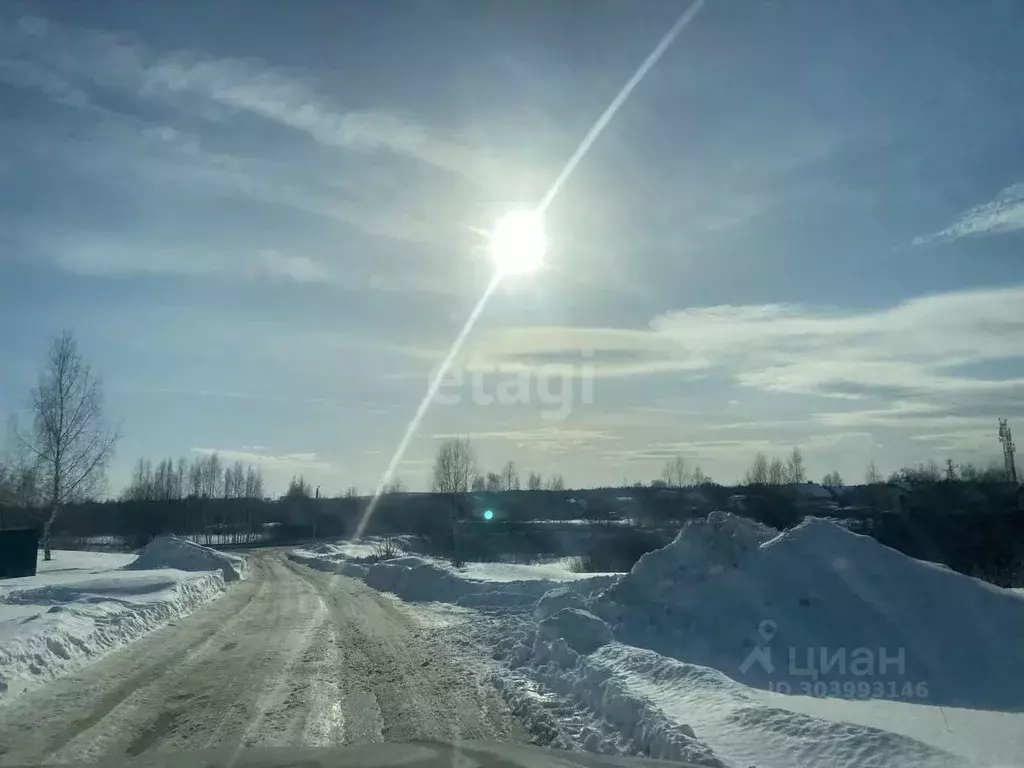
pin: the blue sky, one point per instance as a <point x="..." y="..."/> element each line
<point x="805" y="227"/>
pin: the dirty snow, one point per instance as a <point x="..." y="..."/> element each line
<point x="910" y="664"/>
<point x="82" y="605"/>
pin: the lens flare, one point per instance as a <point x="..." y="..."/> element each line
<point x="518" y="243"/>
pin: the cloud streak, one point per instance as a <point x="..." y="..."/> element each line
<point x="922" y="347"/>
<point x="1003" y="214"/>
<point x="298" y="461"/>
<point x="161" y="137"/>
<point x="56" y="56"/>
<point x="545" y="439"/>
<point x="253" y="87"/>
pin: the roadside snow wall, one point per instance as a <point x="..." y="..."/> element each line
<point x="54" y="629"/>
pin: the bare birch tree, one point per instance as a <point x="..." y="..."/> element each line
<point x="758" y="472"/>
<point x="195" y="479"/>
<point x="454" y="467"/>
<point x="70" y="440"/>
<point x="832" y="480"/>
<point x="675" y="473"/>
<point x="510" y="477"/>
<point x="253" y="483"/>
<point x="180" y="483"/>
<point x="234" y="481"/>
<point x="455" y="474"/>
<point x="795" y="472"/>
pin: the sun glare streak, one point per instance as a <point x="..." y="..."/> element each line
<point x="539" y="211"/>
<point x="618" y="101"/>
<point x="425" y="403"/>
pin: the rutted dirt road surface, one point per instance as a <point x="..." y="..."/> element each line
<point x="291" y="656"/>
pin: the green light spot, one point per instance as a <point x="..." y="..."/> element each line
<point x="488" y="514"/>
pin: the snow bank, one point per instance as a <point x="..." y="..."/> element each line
<point x="740" y="725"/>
<point x="612" y="698"/>
<point x="82" y="605"/>
<point x="420" y="579"/>
<point x="426" y="579"/>
<point x="619" y="722"/>
<point x="823" y="611"/>
<point x="626" y="700"/>
<point x="184" y="555"/>
<point x="580" y="630"/>
<point x="554" y="600"/>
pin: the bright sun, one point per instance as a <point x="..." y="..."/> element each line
<point x="517" y="242"/>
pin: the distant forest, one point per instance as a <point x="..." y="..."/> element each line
<point x="975" y="528"/>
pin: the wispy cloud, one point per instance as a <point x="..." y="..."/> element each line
<point x="697" y="449"/>
<point x="256" y="88"/>
<point x="61" y="60"/>
<point x="22" y="74"/>
<point x="250" y="455"/>
<point x="1005" y="213"/>
<point x="579" y="352"/>
<point x="547" y="439"/>
<point x="908" y="348"/>
<point x="153" y="123"/>
<point x="299" y="268"/>
<point x="979" y="441"/>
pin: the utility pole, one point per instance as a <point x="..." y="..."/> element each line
<point x="1006" y="438"/>
<point x="313" y="511"/>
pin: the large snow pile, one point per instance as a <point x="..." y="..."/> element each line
<point x="823" y="611"/>
<point x="729" y="599"/>
<point x="184" y="555"/>
<point x="82" y="605"/>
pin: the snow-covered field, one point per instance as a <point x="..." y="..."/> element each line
<point x="739" y="646"/>
<point x="82" y="605"/>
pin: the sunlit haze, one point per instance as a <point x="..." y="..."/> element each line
<point x="802" y="228"/>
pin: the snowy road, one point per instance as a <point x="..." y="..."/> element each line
<point x="290" y="656"/>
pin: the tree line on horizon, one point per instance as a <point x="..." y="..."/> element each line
<point x="62" y="457"/>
